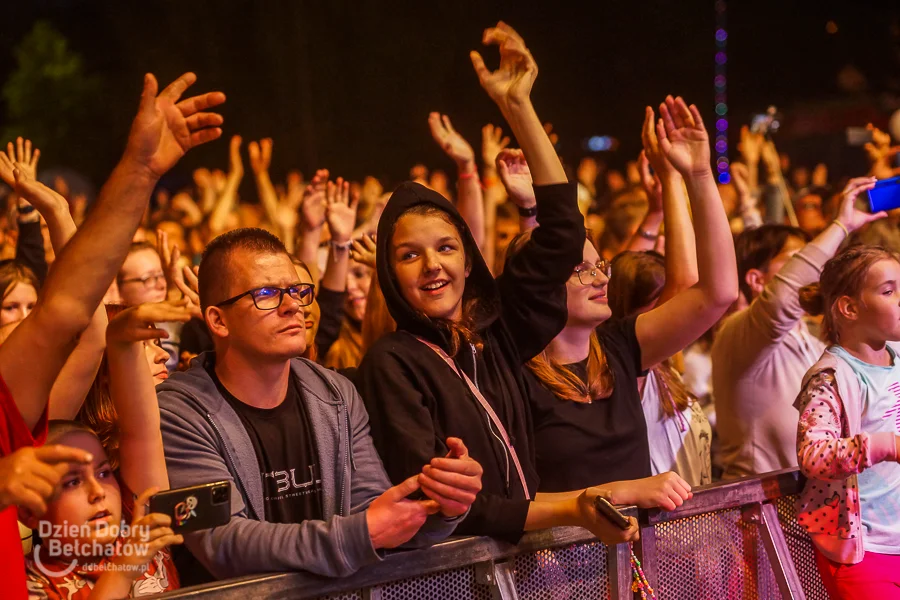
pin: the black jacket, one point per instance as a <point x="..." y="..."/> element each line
<point x="415" y="401"/>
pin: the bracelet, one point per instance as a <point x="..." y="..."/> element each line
<point x="469" y="175"/>
<point x="647" y="235"/>
<point x="842" y="226"/>
<point x="26" y="210"/>
<point x="527" y="213"/>
<point x="340" y="246"/>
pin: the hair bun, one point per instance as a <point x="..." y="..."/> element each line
<point x="811" y="299"/>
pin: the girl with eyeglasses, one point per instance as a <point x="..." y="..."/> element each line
<point x="586" y="404"/>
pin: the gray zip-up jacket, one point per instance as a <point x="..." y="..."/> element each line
<point x="205" y="441"/>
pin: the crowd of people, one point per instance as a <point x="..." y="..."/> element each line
<point x="374" y="370"/>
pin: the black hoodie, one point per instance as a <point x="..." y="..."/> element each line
<point x="415" y="400"/>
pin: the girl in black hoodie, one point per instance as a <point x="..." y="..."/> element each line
<point x="454" y="365"/>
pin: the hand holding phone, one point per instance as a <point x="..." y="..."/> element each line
<point x="196" y="507"/>
<point x="885" y="195"/>
<point x="611" y="512"/>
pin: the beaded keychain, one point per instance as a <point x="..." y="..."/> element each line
<point x="640" y="583"/>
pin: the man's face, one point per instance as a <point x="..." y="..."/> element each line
<point x="268" y="335"/>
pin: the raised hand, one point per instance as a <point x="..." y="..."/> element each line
<point x="751" y="146"/>
<point x="820" y="175"/>
<point x="848" y="214"/>
<point x="138" y="323"/>
<point x="166" y="128"/>
<point x="29" y="477"/>
<point x="452" y="481"/>
<point x="516" y="177"/>
<point x="235" y="162"/>
<point x="22" y="154"/>
<point x="363" y="250"/>
<point x="651" y="184"/>
<point x="341" y="211"/>
<point x="511" y="83"/>
<point x="683" y="138"/>
<point x="492" y="143"/>
<point x="740" y="176"/>
<point x="260" y="155"/>
<point x="652" y="151"/>
<point x="452" y="143"/>
<point x="45" y="200"/>
<point x="314" y="204"/>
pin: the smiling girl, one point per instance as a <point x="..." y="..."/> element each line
<point x="455" y="364"/>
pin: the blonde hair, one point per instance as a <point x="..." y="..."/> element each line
<point x="843" y="275"/>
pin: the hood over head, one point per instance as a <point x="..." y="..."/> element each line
<point x="479" y="284"/>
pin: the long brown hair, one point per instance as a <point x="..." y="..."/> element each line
<point x="843" y="275"/>
<point x="98" y="411"/>
<point x="638" y="279"/>
<point x="378" y="321"/>
<point x="557" y="377"/>
<point x="13" y="272"/>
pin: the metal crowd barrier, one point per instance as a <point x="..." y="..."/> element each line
<point x="736" y="540"/>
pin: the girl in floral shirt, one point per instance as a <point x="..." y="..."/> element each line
<point x="848" y="430"/>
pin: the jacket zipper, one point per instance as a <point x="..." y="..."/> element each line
<point x="340" y="510"/>
<point x="489" y="422"/>
<point x="237" y="474"/>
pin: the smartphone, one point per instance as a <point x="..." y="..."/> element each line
<point x="196" y="507"/>
<point x="885" y="195"/>
<point x="610" y="512"/>
<point x="858" y="136"/>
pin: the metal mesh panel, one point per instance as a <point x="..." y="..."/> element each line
<point x="456" y="584"/>
<point x="354" y="595"/>
<point x="800" y="547"/>
<point x="713" y="556"/>
<point x="576" y="572"/>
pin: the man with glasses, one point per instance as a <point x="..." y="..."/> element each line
<point x="309" y="491"/>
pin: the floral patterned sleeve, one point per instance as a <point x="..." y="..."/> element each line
<point x="821" y="451"/>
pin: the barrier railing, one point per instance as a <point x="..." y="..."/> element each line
<point x="734" y="540"/>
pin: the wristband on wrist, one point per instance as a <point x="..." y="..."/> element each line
<point x="341" y="246"/>
<point x="842" y="226"/>
<point x="527" y="213"/>
<point x="470" y="175"/>
<point x="26" y="210"/>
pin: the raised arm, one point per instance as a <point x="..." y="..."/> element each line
<point x="680" y="244"/>
<point x="341" y="217"/>
<point x="228" y="197"/>
<point x="510" y="87"/>
<point x="516" y="178"/>
<point x="670" y="327"/>
<point x="163" y="131"/>
<point x="260" y="160"/>
<point x="470" y="201"/>
<point x="313" y="214"/>
<point x="532" y="286"/>
<point x="774" y="313"/>
<point x="77" y="375"/>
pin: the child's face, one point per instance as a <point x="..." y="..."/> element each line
<point x="89" y="494"/>
<point x="880" y="301"/>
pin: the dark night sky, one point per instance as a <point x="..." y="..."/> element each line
<point x="348" y="84"/>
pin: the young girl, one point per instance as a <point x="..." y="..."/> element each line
<point x="454" y="365"/>
<point x="847" y="442"/>
<point x="95" y="561"/>
<point x="589" y="373"/>
<point x="346" y="352"/>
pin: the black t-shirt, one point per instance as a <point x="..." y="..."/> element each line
<point x="578" y="445"/>
<point x="288" y="461"/>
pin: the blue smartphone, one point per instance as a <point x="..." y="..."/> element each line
<point x="885" y="195"/>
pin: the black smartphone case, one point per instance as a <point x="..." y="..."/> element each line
<point x="196" y="507"/>
<point x="609" y="511"/>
